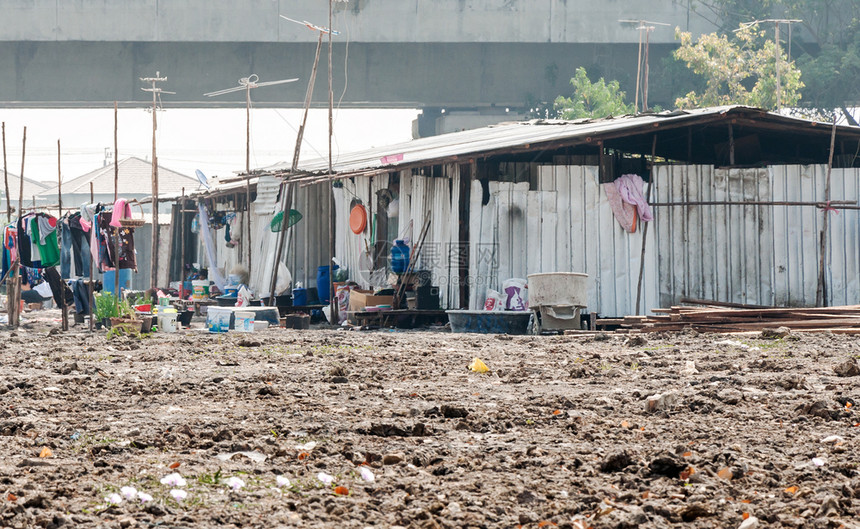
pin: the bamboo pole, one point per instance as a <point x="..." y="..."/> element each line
<point x="821" y="291"/>
<point x="182" y="245"/>
<point x="153" y="280"/>
<point x="836" y="204"/>
<point x="91" y="286"/>
<point x="6" y="179"/>
<point x="331" y="292"/>
<point x="287" y="191"/>
<point x="645" y="228"/>
<point x="21" y="176"/>
<point x="248" y="217"/>
<point x="248" y="129"/>
<point x="10" y="294"/>
<point x="15" y="306"/>
<point x="115" y="197"/>
<point x="64" y="318"/>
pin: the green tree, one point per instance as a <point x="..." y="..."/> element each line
<point x="741" y="71"/>
<point x="592" y="100"/>
<point x="825" y="42"/>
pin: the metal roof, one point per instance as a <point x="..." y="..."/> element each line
<point x="531" y="135"/>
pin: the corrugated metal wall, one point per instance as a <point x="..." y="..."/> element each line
<point x="438" y="198"/>
<point x="760" y="254"/>
<point x="308" y="250"/>
<point x="765" y="254"/>
<point x="566" y="225"/>
<point x="354" y="250"/>
<point x="418" y="197"/>
<point x="795" y="246"/>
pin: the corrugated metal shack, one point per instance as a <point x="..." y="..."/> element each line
<point x="738" y="196"/>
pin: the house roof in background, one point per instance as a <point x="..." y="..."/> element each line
<point x="135" y="178"/>
<point x="31" y="187"/>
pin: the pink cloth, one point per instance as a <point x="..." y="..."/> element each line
<point x="626" y="200"/>
<point x="624" y="213"/>
<point x="121" y="210"/>
<point x="630" y="188"/>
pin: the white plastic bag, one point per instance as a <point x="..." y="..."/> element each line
<point x="494" y="301"/>
<point x="516" y="294"/>
<point x="243" y="297"/>
<point x="342" y="294"/>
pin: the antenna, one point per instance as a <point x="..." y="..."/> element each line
<point x="247" y="84"/>
<point x="156" y="94"/>
<point x="777" y="51"/>
<point x="312" y="27"/>
<point x="647" y="26"/>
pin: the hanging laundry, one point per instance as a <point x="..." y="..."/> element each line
<point x="630" y="188"/>
<point x="626" y="200"/>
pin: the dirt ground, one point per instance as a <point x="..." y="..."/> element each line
<point x="335" y="428"/>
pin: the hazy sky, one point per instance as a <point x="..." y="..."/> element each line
<point x="212" y="140"/>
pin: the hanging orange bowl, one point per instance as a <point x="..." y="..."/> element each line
<point x="358" y="219"/>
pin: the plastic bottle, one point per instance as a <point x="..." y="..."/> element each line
<point x="399" y="257"/>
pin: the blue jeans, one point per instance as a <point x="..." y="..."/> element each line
<point x="65" y="250"/>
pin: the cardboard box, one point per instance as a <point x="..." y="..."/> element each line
<point x="361" y="299"/>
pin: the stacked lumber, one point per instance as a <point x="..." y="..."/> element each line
<point x="844" y="319"/>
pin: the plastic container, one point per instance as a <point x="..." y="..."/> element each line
<point x="218" y="319"/>
<point x="323" y="283"/>
<point x="167" y="321"/>
<point x="261" y="325"/>
<point x="300" y="296"/>
<point x="399" y="257"/>
<point x="200" y="290"/>
<point x="243" y="322"/>
<point x="558" y="289"/>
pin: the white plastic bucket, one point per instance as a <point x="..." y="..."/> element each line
<point x="558" y="289"/>
<point x="243" y="322"/>
<point x="167" y="321"/>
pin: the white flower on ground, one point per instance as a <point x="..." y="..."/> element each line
<point x="178" y="494"/>
<point x="113" y="499"/>
<point x="143" y="497"/>
<point x="174" y="480"/>
<point x="817" y="461"/>
<point x="128" y="492"/>
<point x="327" y="479"/>
<point x="235" y="483"/>
<point x="282" y="481"/>
<point x="367" y="474"/>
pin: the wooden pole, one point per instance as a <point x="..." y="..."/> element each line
<point x="64" y="318"/>
<point x="308" y="96"/>
<point x="182" y="244"/>
<point x="15" y="305"/>
<point x="91" y="286"/>
<point x="331" y="292"/>
<point x="21" y="176"/>
<point x="776" y="66"/>
<point x="115" y="197"/>
<point x="248" y="217"/>
<point x="286" y="193"/>
<point x="645" y="81"/>
<point x="638" y="71"/>
<point x="286" y="204"/>
<point x="153" y="280"/>
<point x="821" y="291"/>
<point x="248" y="129"/>
<point x="11" y="278"/>
<point x="645" y="227"/>
<point x="6" y="178"/>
